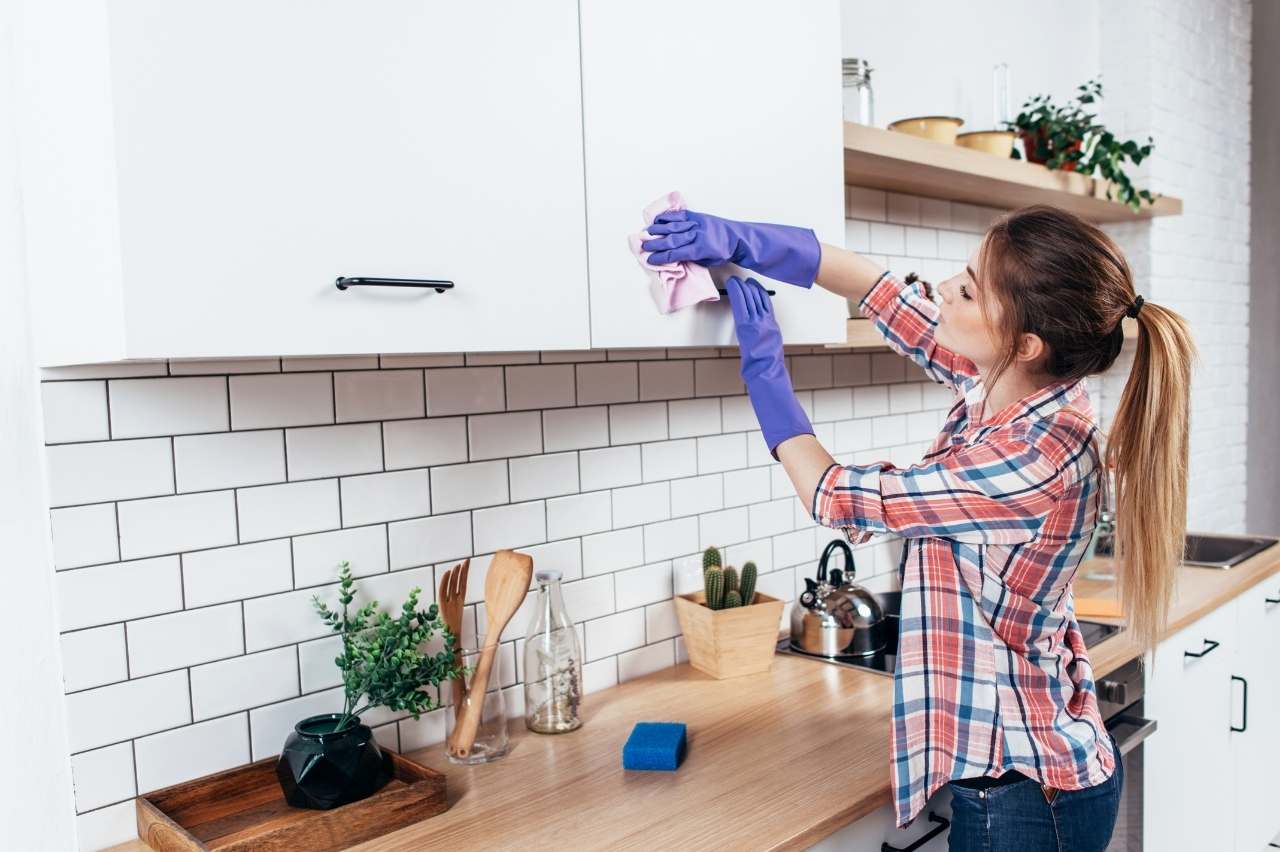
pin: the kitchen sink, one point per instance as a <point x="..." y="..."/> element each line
<point x="1223" y="551"/>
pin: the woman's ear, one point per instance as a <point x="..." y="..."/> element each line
<point x="1030" y="348"/>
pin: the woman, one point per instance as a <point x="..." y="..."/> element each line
<point x="994" y="693"/>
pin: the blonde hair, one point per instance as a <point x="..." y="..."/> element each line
<point x="1063" y="279"/>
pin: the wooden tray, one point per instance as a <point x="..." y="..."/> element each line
<point x="243" y="809"/>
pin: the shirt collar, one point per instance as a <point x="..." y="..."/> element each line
<point x="1038" y="405"/>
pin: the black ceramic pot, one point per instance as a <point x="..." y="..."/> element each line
<point x="322" y="768"/>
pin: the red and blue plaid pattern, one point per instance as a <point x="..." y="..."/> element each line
<point x="992" y="671"/>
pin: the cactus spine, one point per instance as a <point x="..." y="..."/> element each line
<point x="713" y="580"/>
<point x="710" y="559"/>
<point x="732" y="599"/>
<point x="748" y="586"/>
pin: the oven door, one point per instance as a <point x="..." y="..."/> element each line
<point x="1129" y="728"/>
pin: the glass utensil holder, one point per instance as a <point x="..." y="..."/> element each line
<point x="491" y="741"/>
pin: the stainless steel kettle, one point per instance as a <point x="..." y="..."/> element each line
<point x="833" y="617"/>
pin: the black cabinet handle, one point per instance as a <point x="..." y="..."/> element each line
<point x="724" y="292"/>
<point x="943" y="825"/>
<point x="1244" y="714"/>
<point x="1272" y="600"/>
<point x="1209" y="645"/>
<point x="438" y="285"/>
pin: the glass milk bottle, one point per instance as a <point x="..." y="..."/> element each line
<point x="552" y="662"/>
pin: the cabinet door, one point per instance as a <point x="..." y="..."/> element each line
<point x="266" y="148"/>
<point x="1256" y="708"/>
<point x="736" y="105"/>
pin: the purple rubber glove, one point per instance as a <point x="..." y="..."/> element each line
<point x="781" y="252"/>
<point x="763" y="367"/>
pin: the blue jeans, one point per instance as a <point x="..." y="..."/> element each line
<point x="1017" y="817"/>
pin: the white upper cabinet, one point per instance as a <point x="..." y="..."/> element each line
<point x="736" y="105"/>
<point x="198" y="174"/>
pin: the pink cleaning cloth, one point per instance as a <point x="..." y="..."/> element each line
<point x="673" y="285"/>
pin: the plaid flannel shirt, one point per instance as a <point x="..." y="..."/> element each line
<point x="992" y="670"/>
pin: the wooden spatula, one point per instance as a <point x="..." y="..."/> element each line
<point x="453" y="593"/>
<point x="505" y="587"/>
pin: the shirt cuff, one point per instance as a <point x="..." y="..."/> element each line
<point x="880" y="296"/>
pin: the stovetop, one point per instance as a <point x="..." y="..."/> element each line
<point x="884" y="662"/>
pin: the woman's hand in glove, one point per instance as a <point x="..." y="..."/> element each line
<point x="781" y="252"/>
<point x="763" y="367"/>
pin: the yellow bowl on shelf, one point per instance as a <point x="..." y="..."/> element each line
<point x="996" y="142"/>
<point x="939" y="128"/>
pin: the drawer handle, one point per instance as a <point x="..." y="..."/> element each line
<point x="724" y="292"/>
<point x="943" y="825"/>
<point x="1209" y="645"/>
<point x="1244" y="710"/>
<point x="438" y="285"/>
<point x="1272" y="600"/>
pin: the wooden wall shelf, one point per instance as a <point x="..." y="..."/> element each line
<point x="862" y="335"/>
<point x="898" y="162"/>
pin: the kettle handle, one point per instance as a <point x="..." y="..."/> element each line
<point x="832" y="546"/>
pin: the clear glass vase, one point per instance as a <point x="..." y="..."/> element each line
<point x="491" y="740"/>
<point x="552" y="663"/>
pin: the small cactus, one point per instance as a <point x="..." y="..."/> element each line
<point x="710" y="559"/>
<point x="730" y="579"/>
<point x="732" y="599"/>
<point x="714" y="583"/>
<point x="748" y="585"/>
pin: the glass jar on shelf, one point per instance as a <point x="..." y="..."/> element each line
<point x="859" y="104"/>
<point x="552" y="662"/>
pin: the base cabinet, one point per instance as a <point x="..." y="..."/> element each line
<point x="879" y="827"/>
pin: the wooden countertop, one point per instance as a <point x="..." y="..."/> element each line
<point x="777" y="760"/>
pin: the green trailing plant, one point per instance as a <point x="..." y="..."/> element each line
<point x="1069" y="137"/>
<point x="381" y="661"/>
<point x="748" y="588"/>
<point x="713" y="585"/>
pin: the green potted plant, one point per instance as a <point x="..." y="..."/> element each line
<point x="729" y="628"/>
<point x="1068" y="137"/>
<point x="332" y="759"/>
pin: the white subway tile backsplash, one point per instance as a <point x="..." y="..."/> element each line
<point x="274" y="511"/>
<point x="141" y="408"/>
<point x="422" y="541"/>
<point x="696" y="494"/>
<point x="870" y="401"/>
<point x="228" y="459"/>
<point x="74" y="411"/>
<point x="739" y="416"/>
<point x="641" y="504"/>
<point x="122" y="711"/>
<point x="811" y="371"/>
<point x="607" y="382"/>
<point x="609" y="468"/>
<point x="201" y="749"/>
<point x="541" y="386"/>
<point x="599" y="675"/>
<point x="423" y="443"/>
<point x="742" y="487"/>
<point x="771" y="518"/>
<point x="669" y="459"/>
<point x="903" y="209"/>
<point x="103" y="776"/>
<point x="242" y="683"/>
<point x="643" y="661"/>
<point x="666" y="380"/>
<point x="184" y="639"/>
<point x="317" y="451"/>
<point x="579" y="514"/>
<point x="233" y="573"/>
<point x="93" y="657"/>
<point x="609" y="551"/>
<point x="575" y="429"/>
<point x="378" y="395"/>
<point x="467" y="390"/>
<point x="316" y="557"/>
<point x="551" y="475"/>
<point x="468" y="486"/>
<point x="935" y="213"/>
<point x="716" y="377"/>
<point x="633" y="424"/>
<point x="109" y="470"/>
<point x="108" y="593"/>
<point x="669" y="539"/>
<point x="688" y="418"/>
<point x="718" y="529"/>
<point x="863" y="203"/>
<point x="661" y="621"/>
<point x="269" y="726"/>
<point x="109" y="826"/>
<point x="722" y="452"/>
<point x="644" y="585"/>
<point x="282" y="619"/>
<point x="499" y="435"/>
<point x="953" y="245"/>
<point x="84" y="535"/>
<point x="888" y="430"/>
<point x="381" y="497"/>
<point x="832" y="404"/>
<point x="173" y="524"/>
<point x="853" y="435"/>
<point x="794" y="548"/>
<point x="510" y="526"/>
<point x="265" y="401"/>
<point x="904" y="398"/>
<point x="316" y="664"/>
<point x="614" y="634"/>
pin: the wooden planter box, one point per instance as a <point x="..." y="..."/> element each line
<point x="730" y="642"/>
<point x="244" y="809"/>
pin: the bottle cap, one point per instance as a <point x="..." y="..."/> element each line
<point x="547" y="575"/>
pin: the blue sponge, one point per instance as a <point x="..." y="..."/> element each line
<point x="654" y="745"/>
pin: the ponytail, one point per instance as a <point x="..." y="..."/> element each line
<point x="1148" y="449"/>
